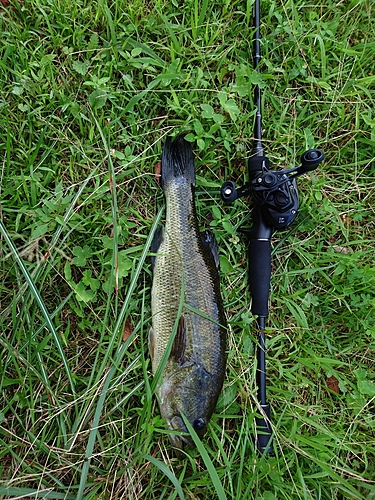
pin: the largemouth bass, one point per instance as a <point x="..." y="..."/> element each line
<point x="186" y="305"/>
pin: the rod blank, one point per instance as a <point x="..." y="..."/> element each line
<point x="259" y="254"/>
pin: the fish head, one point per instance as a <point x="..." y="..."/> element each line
<point x="183" y="439"/>
<point x="186" y="394"/>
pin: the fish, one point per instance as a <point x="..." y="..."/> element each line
<point x="187" y="310"/>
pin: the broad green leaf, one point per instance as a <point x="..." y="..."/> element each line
<point x="83" y="294"/>
<point x="98" y="98"/>
<point x="17" y="90"/>
<point x="366" y="387"/>
<point x="225" y="266"/>
<point x="189" y="137"/>
<point x="81" y="67"/>
<point x="81" y="255"/>
<point x="207" y="111"/>
<point x="94" y="42"/>
<point x="231" y="107"/>
<point x="88" y="280"/>
<point x="39" y="230"/>
<point x="201" y="144"/>
<point x="124" y="265"/>
<point x="67" y="271"/>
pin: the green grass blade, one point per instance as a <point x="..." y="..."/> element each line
<point x="207" y="461"/>
<point x="112" y="371"/>
<point x="112" y="30"/>
<point x="114" y="262"/>
<point x="167" y="472"/>
<point x="40" y="302"/>
<point x="14" y="492"/>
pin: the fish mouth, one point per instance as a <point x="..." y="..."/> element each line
<point x="180" y="441"/>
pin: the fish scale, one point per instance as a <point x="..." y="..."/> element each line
<point x="186" y="274"/>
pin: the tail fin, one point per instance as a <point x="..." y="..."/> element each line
<point x="177" y="161"/>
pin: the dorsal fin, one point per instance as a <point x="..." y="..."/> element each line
<point x="156" y="242"/>
<point x="177" y="161"/>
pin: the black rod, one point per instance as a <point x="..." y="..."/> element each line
<point x="275" y="206"/>
<point x="258" y="147"/>
<point x="261" y="362"/>
<point x="259" y="254"/>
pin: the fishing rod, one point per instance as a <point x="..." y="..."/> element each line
<point x="275" y="206"/>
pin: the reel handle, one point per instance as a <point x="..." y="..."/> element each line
<point x="311" y="159"/>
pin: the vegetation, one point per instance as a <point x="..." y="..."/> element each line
<point x="89" y="92"/>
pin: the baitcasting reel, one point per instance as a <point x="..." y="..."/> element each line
<point x="275" y="192"/>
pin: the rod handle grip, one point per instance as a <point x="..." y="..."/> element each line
<point x="263" y="430"/>
<point x="259" y="252"/>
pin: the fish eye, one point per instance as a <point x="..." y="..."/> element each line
<point x="198" y="424"/>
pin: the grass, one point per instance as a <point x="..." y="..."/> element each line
<point x="90" y="90"/>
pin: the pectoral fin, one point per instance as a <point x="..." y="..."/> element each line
<point x="179" y="343"/>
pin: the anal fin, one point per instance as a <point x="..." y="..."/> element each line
<point x="210" y="245"/>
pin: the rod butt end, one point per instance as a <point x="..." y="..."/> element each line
<point x="263" y="438"/>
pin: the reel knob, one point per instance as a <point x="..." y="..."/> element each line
<point x="229" y="192"/>
<point x="311" y="159"/>
<point x="281" y="200"/>
<point x="269" y="179"/>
